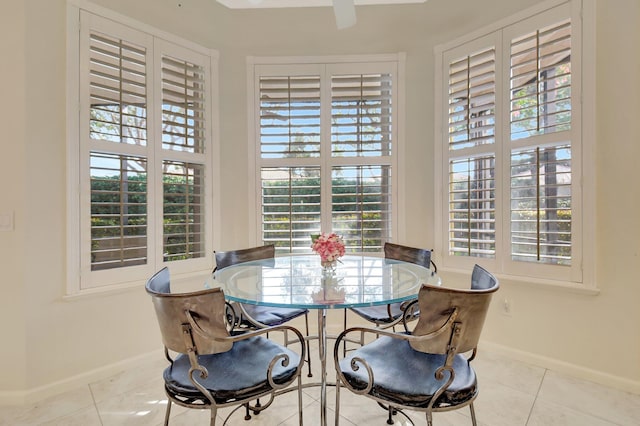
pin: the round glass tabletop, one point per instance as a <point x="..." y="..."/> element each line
<point x="299" y="281"/>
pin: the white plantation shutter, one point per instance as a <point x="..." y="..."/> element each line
<point x="471" y="152"/>
<point x="183" y="105"/>
<point x="118" y="211"/>
<point x="361" y="115"/>
<point x="472" y="99"/>
<point x="541" y="81"/>
<point x="508" y="148"/>
<point x="117" y="75"/>
<point x="540" y="95"/>
<point x="361" y="124"/>
<point x="290" y="116"/>
<point x="117" y="79"/>
<point x="541" y="205"/>
<point x="184" y="136"/>
<point x="144" y="149"/>
<point x="472" y="207"/>
<point x="326" y="153"/>
<point x="290" y="206"/>
<point x="361" y="206"/>
<point x="183" y="210"/>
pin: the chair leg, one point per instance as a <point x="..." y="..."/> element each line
<point x="300" y="400"/>
<point x="390" y="419"/>
<point x="247" y="413"/>
<point x="429" y="418"/>
<point x="337" y="419"/>
<point x="306" y="324"/>
<point x="344" y="342"/>
<point x="473" y="414"/>
<point x="214" y="412"/>
<point x="167" y="412"/>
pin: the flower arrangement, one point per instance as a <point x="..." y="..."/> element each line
<point x="330" y="247"/>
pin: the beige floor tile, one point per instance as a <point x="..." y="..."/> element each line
<point x="500" y="405"/>
<point x="141" y="406"/>
<point x="514" y="374"/>
<point x="511" y="394"/>
<point x="48" y="409"/>
<point x="616" y="406"/>
<point x="139" y="375"/>
<point x="86" y="417"/>
<point x="549" y="414"/>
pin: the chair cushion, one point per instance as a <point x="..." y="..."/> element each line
<point x="272" y="316"/>
<point x="379" y="314"/>
<point x="407" y="377"/>
<point x="238" y="373"/>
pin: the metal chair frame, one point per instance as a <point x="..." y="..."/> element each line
<point x="403" y="253"/>
<point x="450" y="325"/>
<point x="233" y="257"/>
<point x="194" y="325"/>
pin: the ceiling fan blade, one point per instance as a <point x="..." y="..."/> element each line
<point x="345" y="11"/>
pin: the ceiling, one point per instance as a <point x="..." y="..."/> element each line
<point x="255" y="4"/>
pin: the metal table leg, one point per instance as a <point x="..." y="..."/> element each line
<point x="322" y="348"/>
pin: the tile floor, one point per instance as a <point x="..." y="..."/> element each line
<point x="511" y="394"/>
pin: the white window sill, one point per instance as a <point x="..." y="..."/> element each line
<point x="179" y="283"/>
<point x="460" y="278"/>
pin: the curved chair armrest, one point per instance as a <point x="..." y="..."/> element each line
<point x="401" y="336"/>
<point x="410" y="313"/>
<point x="247" y="335"/>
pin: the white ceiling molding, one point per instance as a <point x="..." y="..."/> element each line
<point x="264" y="4"/>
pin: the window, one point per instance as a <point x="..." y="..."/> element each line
<point x="511" y="146"/>
<point x="143" y="147"/>
<point x="326" y="145"/>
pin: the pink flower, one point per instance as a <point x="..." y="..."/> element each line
<point x="330" y="247"/>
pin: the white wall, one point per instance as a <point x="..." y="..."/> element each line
<point x="12" y="195"/>
<point x="52" y="340"/>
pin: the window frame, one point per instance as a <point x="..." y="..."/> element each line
<point x="581" y="275"/>
<point x="356" y="64"/>
<point x="80" y="278"/>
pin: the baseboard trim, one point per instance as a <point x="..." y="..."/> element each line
<point x="84" y="379"/>
<point x="617" y="382"/>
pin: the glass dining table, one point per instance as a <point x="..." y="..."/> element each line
<point x="299" y="281"/>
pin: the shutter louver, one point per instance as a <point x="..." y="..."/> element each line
<point x="117" y="90"/>
<point x="118" y="211"/>
<point x="541" y="81"/>
<point x="290" y="117"/>
<point x="290" y="207"/>
<point x="472" y="207"/>
<point x="361" y="206"/>
<point x="183" y="106"/>
<point x="361" y="115"/>
<point x="472" y="97"/>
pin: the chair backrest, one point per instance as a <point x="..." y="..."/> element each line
<point x="481" y="279"/>
<point x="231" y="257"/>
<point x="465" y="309"/>
<point x="203" y="310"/>
<point x="418" y="256"/>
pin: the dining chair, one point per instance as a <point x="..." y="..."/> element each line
<point x="429" y="369"/>
<point x="388" y="316"/>
<point x="255" y="316"/>
<point x="210" y="368"/>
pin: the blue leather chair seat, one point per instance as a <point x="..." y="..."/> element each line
<point x="227" y="380"/>
<point x="272" y="316"/>
<point x="379" y="314"/>
<point x="406" y="376"/>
